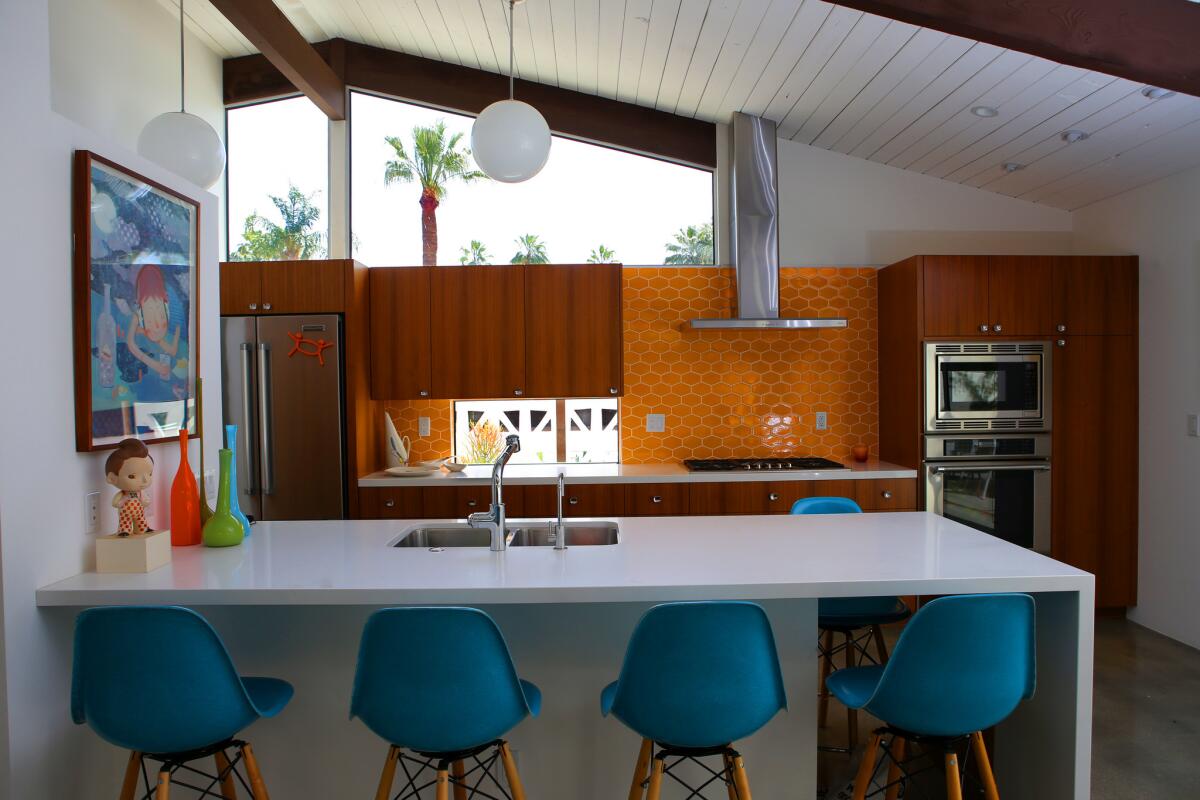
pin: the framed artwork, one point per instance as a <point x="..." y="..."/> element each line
<point x="136" y="293"/>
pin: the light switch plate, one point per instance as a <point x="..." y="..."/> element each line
<point x="822" y="421"/>
<point x="91" y="512"/>
<point x="656" y="423"/>
<point x="422" y="426"/>
<point x="1193" y="425"/>
<point x="210" y="482"/>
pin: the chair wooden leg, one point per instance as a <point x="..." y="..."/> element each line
<point x="739" y="778"/>
<point x="851" y="713"/>
<point x="984" y="765"/>
<point x="953" y="779"/>
<point x="129" y="785"/>
<point x="730" y="786"/>
<point x="880" y="645"/>
<point x="826" y="669"/>
<point x="228" y="786"/>
<point x="641" y="770"/>
<point x="654" y="791"/>
<point x="162" y="790"/>
<point x="460" y="788"/>
<point x="866" y="768"/>
<point x="443" y="785"/>
<point x="258" y="789"/>
<point x="898" y="748"/>
<point x="388" y="776"/>
<point x="510" y="772"/>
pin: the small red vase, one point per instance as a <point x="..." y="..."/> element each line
<point x="185" y="500"/>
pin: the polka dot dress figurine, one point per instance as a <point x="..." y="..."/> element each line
<point x="131" y="469"/>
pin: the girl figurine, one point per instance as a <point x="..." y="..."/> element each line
<point x="131" y="469"/>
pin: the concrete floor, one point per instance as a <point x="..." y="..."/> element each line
<point x="1146" y="732"/>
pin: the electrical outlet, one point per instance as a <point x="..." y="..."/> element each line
<point x="91" y="512"/>
<point x="1193" y="425"/>
<point x="656" y="423"/>
<point x="422" y="426"/>
<point x="210" y="482"/>
<point x="822" y="421"/>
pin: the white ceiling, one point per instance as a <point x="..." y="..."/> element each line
<point x="831" y="77"/>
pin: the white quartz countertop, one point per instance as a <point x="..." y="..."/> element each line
<point x="657" y="559"/>
<point x="533" y="474"/>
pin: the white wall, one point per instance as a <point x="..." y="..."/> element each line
<point x="836" y="210"/>
<point x="1158" y="222"/>
<point x="42" y="479"/>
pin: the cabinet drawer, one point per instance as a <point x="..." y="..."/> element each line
<point x="656" y="499"/>
<point x="734" y="497"/>
<point x="782" y="495"/>
<point x="580" y="500"/>
<point x="887" y="494"/>
<point x="456" y="502"/>
<point x="390" y="503"/>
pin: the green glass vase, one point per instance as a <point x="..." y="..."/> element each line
<point x="223" y="529"/>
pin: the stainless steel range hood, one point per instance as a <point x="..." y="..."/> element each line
<point x="755" y="233"/>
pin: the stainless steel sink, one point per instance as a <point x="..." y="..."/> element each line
<point x="521" y="533"/>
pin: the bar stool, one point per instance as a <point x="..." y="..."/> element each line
<point x="856" y="619"/>
<point x="696" y="678"/>
<point x="440" y="683"/>
<point x="962" y="665"/>
<point x="158" y="682"/>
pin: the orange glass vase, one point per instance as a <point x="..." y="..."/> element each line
<point x="185" y="500"/>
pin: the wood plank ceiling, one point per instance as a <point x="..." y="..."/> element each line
<point x="830" y="76"/>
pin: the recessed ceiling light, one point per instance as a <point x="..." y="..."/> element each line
<point x="1074" y="135"/>
<point x="984" y="111"/>
<point x="1011" y="166"/>
<point x="1157" y="93"/>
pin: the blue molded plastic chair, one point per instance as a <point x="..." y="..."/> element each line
<point x="158" y="681"/>
<point x="696" y="678"/>
<point x="962" y="665"/>
<point x="848" y="616"/>
<point x="441" y="683"/>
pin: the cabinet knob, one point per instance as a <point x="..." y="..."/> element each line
<point x="612" y="390"/>
<point x="266" y="306"/>
<point x="773" y="496"/>
<point x="997" y="328"/>
<point x="389" y="503"/>
<point x="887" y="495"/>
<point x="518" y="392"/>
<point x="656" y="499"/>
<point x="983" y="328"/>
<point x="574" y="501"/>
<point x="424" y="393"/>
<point x="254" y="306"/>
<point x="1062" y="328"/>
<point x="1061" y="343"/>
<point x="471" y="504"/>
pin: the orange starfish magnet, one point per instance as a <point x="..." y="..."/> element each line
<point x="313" y="348"/>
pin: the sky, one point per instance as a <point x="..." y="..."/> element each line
<point x="584" y="197"/>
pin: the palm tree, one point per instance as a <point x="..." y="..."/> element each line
<point x="474" y="254"/>
<point x="435" y="161"/>
<point x="602" y="255"/>
<point x="692" y="245"/>
<point x="531" y="251"/>
<point x="295" y="239"/>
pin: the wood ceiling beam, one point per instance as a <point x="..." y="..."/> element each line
<point x="273" y="34"/>
<point x="1149" y="41"/>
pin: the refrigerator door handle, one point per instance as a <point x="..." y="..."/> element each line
<point x="248" y="417"/>
<point x="264" y="410"/>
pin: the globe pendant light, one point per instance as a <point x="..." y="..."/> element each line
<point x="510" y="139"/>
<point x="182" y="142"/>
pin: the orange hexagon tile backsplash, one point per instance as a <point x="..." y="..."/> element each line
<point x="729" y="393"/>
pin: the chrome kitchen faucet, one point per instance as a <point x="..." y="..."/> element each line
<point x="493" y="518"/>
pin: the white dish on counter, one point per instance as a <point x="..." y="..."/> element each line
<point x="410" y="472"/>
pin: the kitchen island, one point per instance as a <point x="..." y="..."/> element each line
<point x="291" y="602"/>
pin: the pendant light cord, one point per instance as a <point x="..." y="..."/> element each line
<point x="512" y="12"/>
<point x="182" y="83"/>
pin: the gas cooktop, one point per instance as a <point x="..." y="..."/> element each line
<point x="734" y="464"/>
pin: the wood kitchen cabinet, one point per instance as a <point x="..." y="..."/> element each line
<point x="457" y="502"/>
<point x="579" y="500"/>
<point x="573" y="345"/>
<point x="656" y="499"/>
<point x="956" y="295"/>
<point x="401" y="367"/>
<point x="1094" y="462"/>
<point x="732" y="497"/>
<point x="477" y="331"/>
<point x="988" y="295"/>
<point x="283" y="287"/>
<point x="1095" y="295"/>
<point x="390" y="503"/>
<point x="886" y="494"/>
<point x="1020" y="299"/>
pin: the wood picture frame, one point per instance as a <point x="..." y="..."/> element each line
<point x="136" y="303"/>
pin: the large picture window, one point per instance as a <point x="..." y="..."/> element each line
<point x="418" y="198"/>
<point x="572" y="431"/>
<point x="278" y="181"/>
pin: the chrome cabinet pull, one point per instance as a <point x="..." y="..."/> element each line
<point x="656" y="499"/>
<point x="997" y="328"/>
<point x="574" y="501"/>
<point x="1062" y="328"/>
<point x="389" y="503"/>
<point x="983" y="328"/>
<point x="612" y="390"/>
<point x="266" y="306"/>
<point x="887" y="495"/>
<point x="254" y="306"/>
<point x="518" y="392"/>
<point x="471" y="504"/>
<point x="424" y="393"/>
<point x="773" y="497"/>
<point x="1061" y="343"/>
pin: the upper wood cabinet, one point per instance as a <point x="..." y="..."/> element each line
<point x="1019" y="296"/>
<point x="1095" y="295"/>
<point x="988" y="295"/>
<point x="283" y="287"/>
<point x="956" y="296"/>
<point x="573" y="330"/>
<point x="478" y="331"/>
<point x="400" y="333"/>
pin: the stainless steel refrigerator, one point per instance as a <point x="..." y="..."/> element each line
<point x="282" y="384"/>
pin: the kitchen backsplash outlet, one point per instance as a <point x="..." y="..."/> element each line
<point x="656" y="423"/>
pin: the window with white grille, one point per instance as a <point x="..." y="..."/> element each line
<point x="574" y="431"/>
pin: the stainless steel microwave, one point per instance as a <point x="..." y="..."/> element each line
<point x="987" y="386"/>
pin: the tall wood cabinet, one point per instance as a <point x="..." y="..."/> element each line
<point x="1087" y="306"/>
